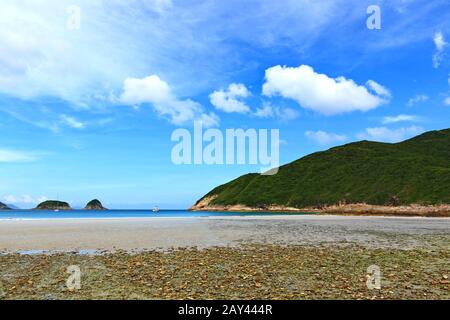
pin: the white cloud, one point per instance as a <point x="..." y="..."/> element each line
<point x="37" y="58"/>
<point x="23" y="199"/>
<point x="10" y="199"/>
<point x="208" y="119"/>
<point x="323" y="137"/>
<point x="158" y="5"/>
<point x="267" y="111"/>
<point x="40" y="56"/>
<point x="417" y="99"/>
<point x="286" y="113"/>
<point x="72" y="122"/>
<point x="400" y="118"/>
<point x="378" y="89"/>
<point x="42" y="199"/>
<point x="321" y="93"/>
<point x="384" y="134"/>
<point x="440" y="44"/>
<point x="147" y="90"/>
<point x="447" y="101"/>
<point x="439" y="41"/>
<point x="157" y="92"/>
<point x="52" y="120"/>
<point x="15" y="156"/>
<point x="26" y="199"/>
<point x="228" y="100"/>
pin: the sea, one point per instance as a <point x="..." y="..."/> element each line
<point x="122" y="214"/>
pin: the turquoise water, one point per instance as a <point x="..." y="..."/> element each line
<point x="118" y="214"/>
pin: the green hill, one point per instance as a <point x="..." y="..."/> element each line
<point x="53" y="205"/>
<point x="94" y="205"/>
<point x="413" y="171"/>
<point x="4" y="207"/>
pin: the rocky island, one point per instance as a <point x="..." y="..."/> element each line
<point x="407" y="178"/>
<point x="4" y="207"/>
<point x="94" y="205"/>
<point x="53" y="205"/>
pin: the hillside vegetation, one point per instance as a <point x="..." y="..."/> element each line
<point x="415" y="171"/>
<point x="53" y="205"/>
<point x="94" y="205"/>
<point x="4" y="207"/>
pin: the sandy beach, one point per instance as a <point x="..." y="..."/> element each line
<point x="164" y="233"/>
<point x="265" y="257"/>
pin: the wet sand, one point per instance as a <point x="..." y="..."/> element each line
<point x="164" y="233"/>
<point x="276" y="257"/>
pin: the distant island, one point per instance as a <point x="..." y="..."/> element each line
<point x="94" y="205"/>
<point x="410" y="177"/>
<point x="61" y="205"/>
<point x="4" y="206"/>
<point x="53" y="205"/>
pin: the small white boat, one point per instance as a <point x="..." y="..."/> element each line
<point x="155" y="209"/>
<point x="57" y="199"/>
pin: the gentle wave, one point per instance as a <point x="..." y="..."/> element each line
<point x="31" y="215"/>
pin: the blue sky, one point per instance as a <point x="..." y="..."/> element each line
<point x="88" y="112"/>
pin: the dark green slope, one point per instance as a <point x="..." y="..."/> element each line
<point x="53" y="205"/>
<point x="94" y="205"/>
<point x="413" y="171"/>
<point x="4" y="207"/>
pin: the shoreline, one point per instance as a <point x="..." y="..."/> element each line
<point x="355" y="209"/>
<point x="274" y="215"/>
<point x="233" y="257"/>
<point x="165" y="233"/>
